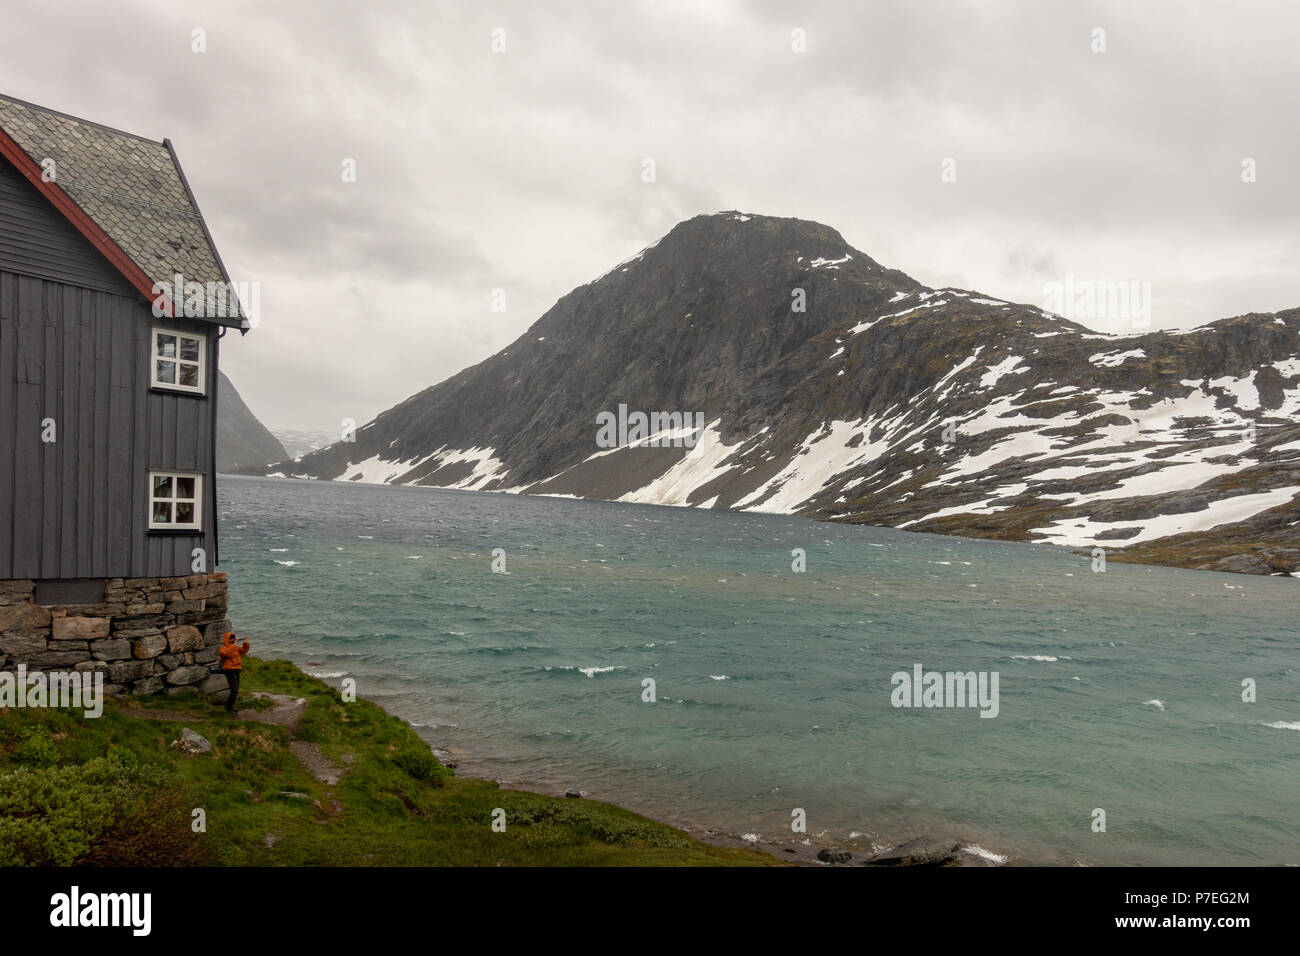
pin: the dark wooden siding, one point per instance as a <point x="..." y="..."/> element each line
<point x="36" y="241"/>
<point x="78" y="507"/>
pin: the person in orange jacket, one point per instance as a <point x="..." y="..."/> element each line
<point x="232" y="664"/>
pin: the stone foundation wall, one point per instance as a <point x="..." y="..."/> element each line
<point x="149" y="636"/>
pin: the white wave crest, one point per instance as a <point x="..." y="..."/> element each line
<point x="593" y="671"/>
<point x="977" y="850"/>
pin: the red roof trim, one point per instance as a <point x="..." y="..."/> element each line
<point x="64" y="203"/>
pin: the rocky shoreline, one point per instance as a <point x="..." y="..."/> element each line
<point x="926" y="849"/>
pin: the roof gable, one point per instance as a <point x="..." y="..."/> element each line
<point x="37" y="240"/>
<point x="131" y="190"/>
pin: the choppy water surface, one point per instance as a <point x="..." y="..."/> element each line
<point x="1120" y="691"/>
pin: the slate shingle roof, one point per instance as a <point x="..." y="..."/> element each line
<point x="130" y="186"/>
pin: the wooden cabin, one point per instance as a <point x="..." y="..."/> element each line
<point x="108" y="412"/>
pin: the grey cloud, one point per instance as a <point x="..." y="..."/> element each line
<point x="521" y="169"/>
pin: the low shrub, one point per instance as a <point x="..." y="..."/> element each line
<point x="111" y="808"/>
<point x="423" y="765"/>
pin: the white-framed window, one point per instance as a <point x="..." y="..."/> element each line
<point x="176" y="360"/>
<point x="175" y="501"/>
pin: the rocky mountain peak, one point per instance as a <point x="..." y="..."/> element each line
<point x="819" y="382"/>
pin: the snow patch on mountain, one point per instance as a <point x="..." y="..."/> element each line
<point x="698" y="467"/>
<point x="1008" y="366"/>
<point x="375" y="470"/>
<point x="1083" y="532"/>
<point x="1114" y="359"/>
<point x="837" y="447"/>
<point x="379" y="470"/>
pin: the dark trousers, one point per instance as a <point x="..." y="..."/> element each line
<point x="232" y="678"/>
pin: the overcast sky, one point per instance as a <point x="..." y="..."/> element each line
<point x="521" y="169"/>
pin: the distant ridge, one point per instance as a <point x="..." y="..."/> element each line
<point x="242" y="440"/>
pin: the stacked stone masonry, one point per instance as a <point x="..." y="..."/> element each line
<point x="151" y="635"/>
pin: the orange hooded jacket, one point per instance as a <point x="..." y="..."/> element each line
<point x="231" y="653"/>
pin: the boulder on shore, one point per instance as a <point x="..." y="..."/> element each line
<point x="922" y="851"/>
<point x="834" y="856"/>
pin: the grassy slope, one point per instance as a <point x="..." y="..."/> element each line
<point x="378" y="815"/>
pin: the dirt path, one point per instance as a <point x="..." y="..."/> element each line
<point x="321" y="767"/>
<point x="286" y="712"/>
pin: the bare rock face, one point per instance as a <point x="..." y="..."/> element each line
<point x="242" y="440"/>
<point x="835" y="387"/>
<point x="1264" y="561"/>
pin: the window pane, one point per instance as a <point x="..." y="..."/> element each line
<point x="185" y="488"/>
<point x="162" y="486"/>
<point x="165" y="372"/>
<point x="165" y="346"/>
<point x="162" y="512"/>
<point x="185" y="512"/>
<point x="190" y="349"/>
<point x="190" y="375"/>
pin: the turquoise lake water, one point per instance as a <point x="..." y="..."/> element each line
<point x="1120" y="691"/>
